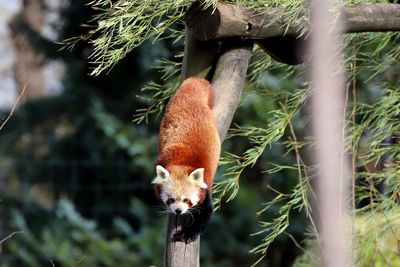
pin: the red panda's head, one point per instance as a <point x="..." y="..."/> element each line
<point x="178" y="189"/>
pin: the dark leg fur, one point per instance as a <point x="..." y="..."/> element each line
<point x="192" y="227"/>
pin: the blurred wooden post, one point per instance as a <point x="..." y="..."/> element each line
<point x="199" y="57"/>
<point x="329" y="129"/>
<point x="228" y="81"/>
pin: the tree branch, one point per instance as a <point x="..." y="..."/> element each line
<point x="229" y="20"/>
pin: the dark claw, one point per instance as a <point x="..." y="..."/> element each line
<point x="178" y="237"/>
<point x="186" y="237"/>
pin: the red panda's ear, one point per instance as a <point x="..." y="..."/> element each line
<point x="162" y="175"/>
<point x="197" y="176"/>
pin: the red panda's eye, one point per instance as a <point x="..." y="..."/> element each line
<point x="171" y="200"/>
<point x="185" y="200"/>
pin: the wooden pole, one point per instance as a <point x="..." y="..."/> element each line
<point x="199" y="57"/>
<point x="228" y="82"/>
<point x="198" y="60"/>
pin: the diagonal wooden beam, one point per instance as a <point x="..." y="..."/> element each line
<point x="228" y="83"/>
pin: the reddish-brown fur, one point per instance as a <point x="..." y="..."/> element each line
<point x="188" y="133"/>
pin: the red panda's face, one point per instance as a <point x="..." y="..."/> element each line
<point x="179" y="193"/>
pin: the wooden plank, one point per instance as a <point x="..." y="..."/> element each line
<point x="370" y="18"/>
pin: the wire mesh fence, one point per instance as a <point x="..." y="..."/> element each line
<point x="100" y="186"/>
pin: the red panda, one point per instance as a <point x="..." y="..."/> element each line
<point x="189" y="150"/>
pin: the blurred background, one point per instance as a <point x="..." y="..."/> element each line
<point x="75" y="170"/>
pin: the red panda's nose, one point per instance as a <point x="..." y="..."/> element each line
<point x="178" y="211"/>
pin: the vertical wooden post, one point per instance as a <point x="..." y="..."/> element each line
<point x="228" y="83"/>
<point x="197" y="61"/>
<point x="329" y="130"/>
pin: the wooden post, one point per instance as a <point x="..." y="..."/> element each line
<point x="228" y="83"/>
<point x="197" y="61"/>
<point x="199" y="57"/>
<point x="329" y="127"/>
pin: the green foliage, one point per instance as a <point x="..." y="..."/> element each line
<point x="75" y="241"/>
<point x="382" y="118"/>
<point x="273" y="229"/>
<point x="159" y="93"/>
<point x="372" y="121"/>
<point x="376" y="243"/>
<point x="270" y="142"/>
<point x="371" y="60"/>
<point x="261" y="139"/>
<point x="123" y="25"/>
<point x="120" y="26"/>
<point x="377" y="238"/>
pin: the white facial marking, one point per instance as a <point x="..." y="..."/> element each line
<point x="179" y="205"/>
<point x="181" y="194"/>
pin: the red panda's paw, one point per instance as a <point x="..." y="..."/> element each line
<point x="195" y="224"/>
<point x="185" y="236"/>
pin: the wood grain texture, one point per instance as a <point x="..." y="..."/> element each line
<point x="371" y="18"/>
<point x="228" y="82"/>
<point x="228" y="20"/>
<point x="180" y="254"/>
